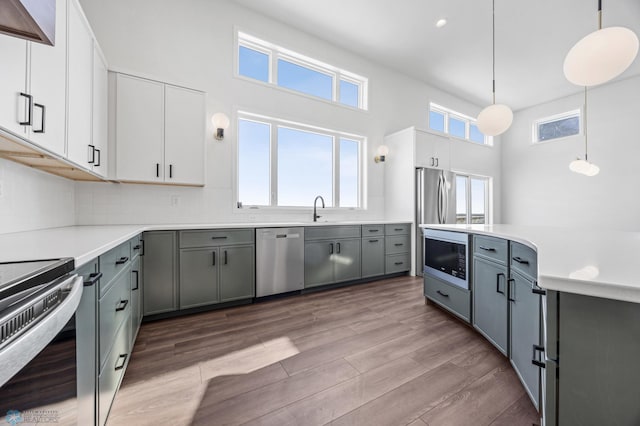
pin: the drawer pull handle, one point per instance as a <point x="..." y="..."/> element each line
<point x="539" y="291"/>
<point x="374" y="230"/>
<point x="398" y="244"/>
<point x="120" y="365"/>
<point x="93" y="278"/>
<point x="122" y="260"/>
<point x="397" y="229"/>
<point x="534" y="359"/>
<point x="219" y="238"/>
<point x="373" y="241"/>
<point x="136" y="247"/>
<point x="398" y="263"/>
<point x="122" y="306"/>
<point x="442" y="294"/>
<point x="520" y="260"/>
<point x="491" y="249"/>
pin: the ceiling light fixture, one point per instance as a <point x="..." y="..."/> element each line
<point x="496" y="118"/>
<point x="584" y="166"/>
<point x="441" y="22"/>
<point x="602" y="55"/>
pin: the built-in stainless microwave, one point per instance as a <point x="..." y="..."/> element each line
<point x="445" y="256"/>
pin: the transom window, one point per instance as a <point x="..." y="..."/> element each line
<point x="272" y="64"/>
<point x="472" y="199"/>
<point x="285" y="164"/>
<point x="557" y="126"/>
<point x="453" y="123"/>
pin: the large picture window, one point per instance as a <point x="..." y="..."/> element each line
<point x="263" y="61"/>
<point x="284" y="164"/>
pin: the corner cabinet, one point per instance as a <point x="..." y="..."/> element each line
<point x="160" y="291"/>
<point x="160" y="132"/>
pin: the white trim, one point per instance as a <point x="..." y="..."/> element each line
<point x="468" y="121"/>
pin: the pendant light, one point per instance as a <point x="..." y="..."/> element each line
<point x="496" y="118"/>
<point x="602" y="55"/>
<point x="584" y="166"/>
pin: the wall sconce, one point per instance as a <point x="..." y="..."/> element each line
<point x="383" y="151"/>
<point x="220" y="122"/>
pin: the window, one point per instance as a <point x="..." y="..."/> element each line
<point x="557" y="126"/>
<point x="472" y="199"/>
<point x="266" y="62"/>
<point x="444" y="120"/>
<point x="284" y="164"/>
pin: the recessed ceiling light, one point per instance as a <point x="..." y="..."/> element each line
<point x="441" y="23"/>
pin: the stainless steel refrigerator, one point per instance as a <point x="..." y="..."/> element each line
<point x="435" y="204"/>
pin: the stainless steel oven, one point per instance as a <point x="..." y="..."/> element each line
<point x="38" y="378"/>
<point x="446" y="255"/>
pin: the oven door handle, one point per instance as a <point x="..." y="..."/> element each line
<point x="21" y="350"/>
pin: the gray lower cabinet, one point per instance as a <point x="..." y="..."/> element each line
<point x="490" y="306"/>
<point x="524" y="332"/>
<point x="397" y="248"/>
<point x="159" y="268"/>
<point x="331" y="261"/>
<point x="199" y="277"/>
<point x="237" y="272"/>
<point x="347" y="260"/>
<point x="453" y="298"/>
<point x="372" y="255"/>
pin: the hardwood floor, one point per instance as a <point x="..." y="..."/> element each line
<point x="369" y="354"/>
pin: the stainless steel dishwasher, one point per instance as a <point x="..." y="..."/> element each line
<point x="279" y="260"/>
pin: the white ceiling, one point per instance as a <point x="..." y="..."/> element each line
<point x="532" y="39"/>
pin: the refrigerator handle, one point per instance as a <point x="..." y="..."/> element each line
<point x="445" y="196"/>
<point x="440" y="200"/>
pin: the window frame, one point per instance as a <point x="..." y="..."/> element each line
<point x="468" y="121"/>
<point x="557" y="117"/>
<point x="275" y="53"/>
<point x="336" y="136"/>
<point x="488" y="211"/>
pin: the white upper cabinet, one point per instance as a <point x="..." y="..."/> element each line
<point x="159" y="132"/>
<point x="79" y="89"/>
<point x="13" y="81"/>
<point x="47" y="87"/>
<point x="184" y="129"/>
<point x="432" y="151"/>
<point x="99" y="119"/>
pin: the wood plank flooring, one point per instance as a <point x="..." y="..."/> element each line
<point x="369" y="354"/>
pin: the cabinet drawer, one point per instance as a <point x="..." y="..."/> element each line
<point x="524" y="260"/>
<point x="136" y="246"/>
<point x="397" y="244"/>
<point x="114" y="309"/>
<point x="495" y="249"/>
<point x="397" y="229"/>
<point x="397" y="263"/>
<point x="331" y="232"/>
<point x="372" y="230"/>
<point x="112" y="263"/>
<point x="216" y="237"/>
<point x="112" y="372"/>
<point x="452" y="298"/>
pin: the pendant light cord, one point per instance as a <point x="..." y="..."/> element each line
<point x="493" y="44"/>
<point x="585" y="124"/>
<point x="599" y="14"/>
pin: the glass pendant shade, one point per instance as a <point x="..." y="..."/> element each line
<point x="495" y="119"/>
<point x="220" y="120"/>
<point x="601" y="56"/>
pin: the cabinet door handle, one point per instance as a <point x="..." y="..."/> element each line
<point x="397" y="229"/>
<point x="120" y="365"/>
<point x="98" y="162"/>
<point x="442" y="294"/>
<point x="122" y="306"/>
<point x="157" y="169"/>
<point x="122" y="260"/>
<point x="42" y="119"/>
<point x="498" y="282"/>
<point x="338" y="247"/>
<point x="491" y="249"/>
<point x="219" y="238"/>
<point x="398" y="263"/>
<point x="92" y="154"/>
<point x="398" y="244"/>
<point x="520" y="260"/>
<point x="373" y="241"/>
<point x="534" y="359"/>
<point x="170" y="171"/>
<point x="213" y="263"/>
<point x="433" y="163"/>
<point x="29" y="110"/>
<point x="509" y="281"/>
<point x="225" y="257"/>
<point x="93" y="278"/>
<point x="330" y="248"/>
<point x="142" y="251"/>
<point x="137" y="280"/>
<point x="437" y="161"/>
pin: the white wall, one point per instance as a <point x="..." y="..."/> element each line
<point x="31" y="199"/>
<point x="539" y="189"/>
<point x="192" y="43"/>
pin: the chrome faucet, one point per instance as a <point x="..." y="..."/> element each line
<point x="316" y="216"/>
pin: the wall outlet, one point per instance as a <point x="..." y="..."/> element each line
<point x="1" y="189"/>
<point x="175" y="200"/>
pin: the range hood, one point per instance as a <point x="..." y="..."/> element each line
<point x="33" y="20"/>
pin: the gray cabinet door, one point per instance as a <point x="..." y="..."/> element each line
<point x="490" y="313"/>
<point x="346" y="260"/>
<point x="318" y="268"/>
<point x="199" y="277"/>
<point x="372" y="256"/>
<point x="237" y="273"/>
<point x="524" y="333"/>
<point x="159" y="266"/>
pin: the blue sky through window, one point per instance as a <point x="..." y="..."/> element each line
<point x="253" y="64"/>
<point x="305" y="80"/>
<point x="456" y="127"/>
<point x="349" y="93"/>
<point x="475" y="135"/>
<point x="349" y="173"/>
<point x="253" y="162"/>
<point x="436" y="121"/>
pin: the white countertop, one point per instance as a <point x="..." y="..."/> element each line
<point x="85" y="243"/>
<point x="583" y="261"/>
